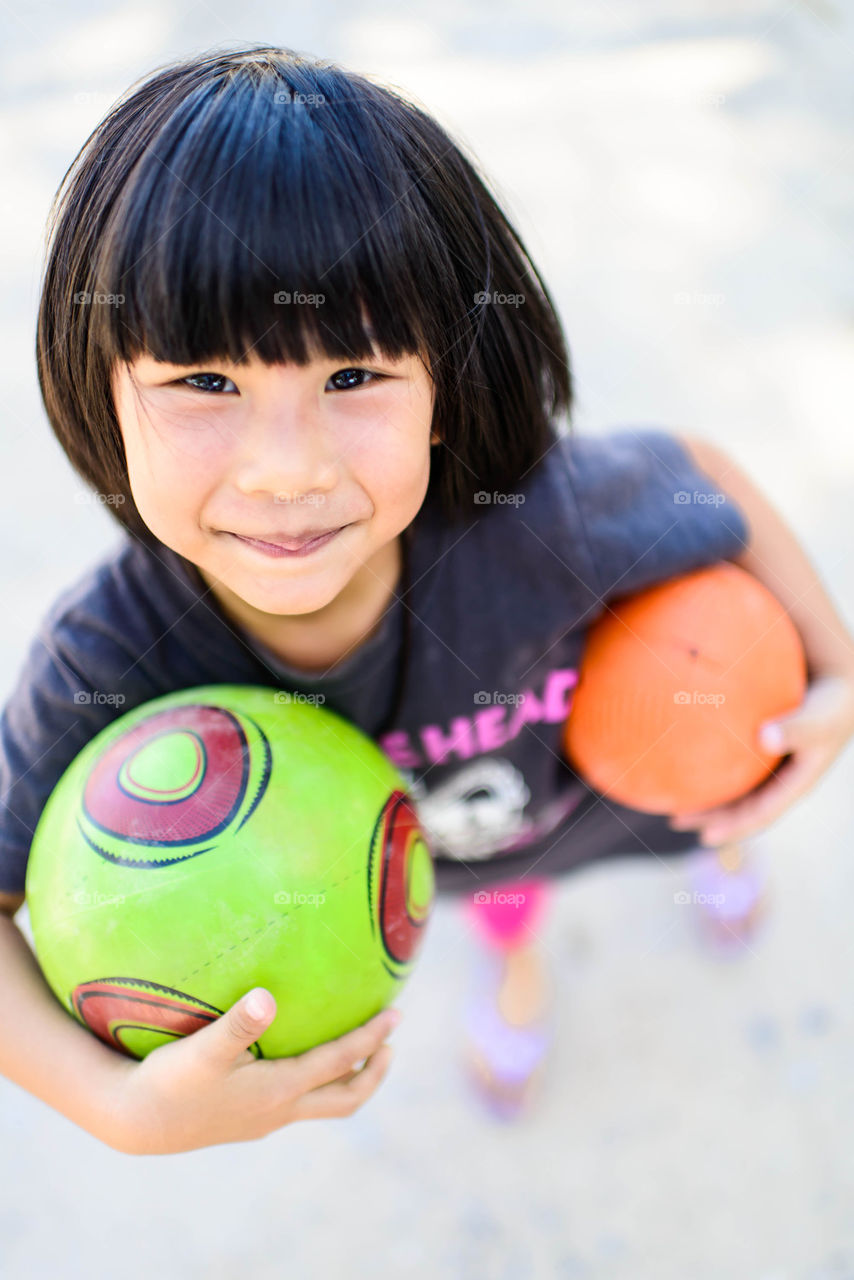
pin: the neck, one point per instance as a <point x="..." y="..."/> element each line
<point x="314" y="642"/>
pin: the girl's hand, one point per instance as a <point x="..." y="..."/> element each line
<point x="811" y="737"/>
<point x="207" y="1088"/>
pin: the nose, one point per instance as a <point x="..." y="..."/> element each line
<point x="287" y="455"/>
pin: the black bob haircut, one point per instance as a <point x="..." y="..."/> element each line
<point x="221" y="181"/>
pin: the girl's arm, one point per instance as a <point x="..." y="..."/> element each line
<point x="196" y="1091"/>
<point x="776" y="558"/>
<point x="44" y="1050"/>
<point x="810" y="738"/>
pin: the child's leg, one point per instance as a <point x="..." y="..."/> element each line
<point x="509" y="1020"/>
<point x="506" y="918"/>
<point x="730" y="892"/>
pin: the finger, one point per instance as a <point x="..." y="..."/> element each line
<point x="827" y="702"/>
<point x="690" y="821"/>
<point x="347" y="1076"/>
<point x="225" y="1041"/>
<point x="342" y="1099"/>
<point x="357" y="1072"/>
<point x="765" y="805"/>
<point x="738" y="808"/>
<point x="331" y="1060"/>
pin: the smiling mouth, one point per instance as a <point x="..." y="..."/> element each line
<point x="291" y="547"/>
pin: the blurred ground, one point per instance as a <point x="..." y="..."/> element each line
<point x="682" y="175"/>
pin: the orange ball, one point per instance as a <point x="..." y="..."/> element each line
<point x="673" y="687"/>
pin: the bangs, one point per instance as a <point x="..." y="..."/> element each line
<point x="256" y="226"/>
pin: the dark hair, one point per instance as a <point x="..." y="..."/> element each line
<point x="222" y="180"/>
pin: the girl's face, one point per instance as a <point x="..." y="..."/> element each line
<point x="219" y="453"/>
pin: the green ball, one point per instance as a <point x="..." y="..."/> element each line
<point x="222" y="838"/>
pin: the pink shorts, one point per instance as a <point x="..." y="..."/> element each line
<point x="507" y="915"/>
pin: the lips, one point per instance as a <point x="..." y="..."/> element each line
<point x="292" y="543"/>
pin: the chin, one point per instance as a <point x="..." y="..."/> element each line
<point x="292" y="597"/>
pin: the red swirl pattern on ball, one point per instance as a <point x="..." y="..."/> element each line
<point x="110" y="1005"/>
<point x="397" y="832"/>
<point x="161" y="821"/>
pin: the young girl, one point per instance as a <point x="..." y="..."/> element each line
<point x="289" y="337"/>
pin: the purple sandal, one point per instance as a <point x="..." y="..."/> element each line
<point x="512" y="1054"/>
<point x="732" y="903"/>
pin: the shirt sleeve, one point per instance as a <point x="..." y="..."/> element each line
<point x="78" y="675"/>
<point x="647" y="511"/>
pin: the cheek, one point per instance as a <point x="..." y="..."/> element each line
<point x="390" y="448"/>
<point x="392" y="466"/>
<point x="169" y="475"/>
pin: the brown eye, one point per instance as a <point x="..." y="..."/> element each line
<point x="195" y="378"/>
<point x="347" y="373"/>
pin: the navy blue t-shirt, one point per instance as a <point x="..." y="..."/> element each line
<point x="496" y="608"/>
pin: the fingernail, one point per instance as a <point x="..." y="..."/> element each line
<point x="771" y="737"/>
<point x="394" y="1017"/>
<point x="255" y="1004"/>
